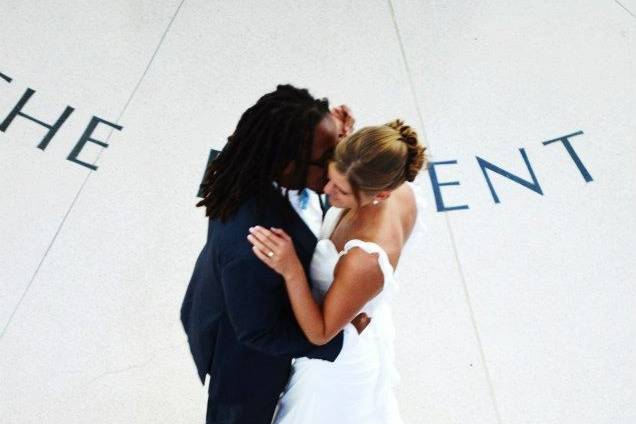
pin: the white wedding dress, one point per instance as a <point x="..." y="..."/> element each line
<point x="357" y="388"/>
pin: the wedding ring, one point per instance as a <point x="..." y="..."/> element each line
<point x="270" y="253"/>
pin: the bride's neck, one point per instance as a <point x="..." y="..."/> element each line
<point x="366" y="212"/>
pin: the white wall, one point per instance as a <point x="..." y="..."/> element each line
<point x="513" y="312"/>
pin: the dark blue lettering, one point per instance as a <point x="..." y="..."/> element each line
<point x="436" y="187"/>
<point x="577" y="161"/>
<point x="17" y="110"/>
<point x="86" y="137"/>
<point x="534" y="186"/>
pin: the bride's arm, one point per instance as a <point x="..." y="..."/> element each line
<point x="346" y="297"/>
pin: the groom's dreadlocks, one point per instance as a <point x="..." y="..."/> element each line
<point x="278" y="129"/>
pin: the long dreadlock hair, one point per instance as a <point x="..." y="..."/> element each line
<point x="278" y="129"/>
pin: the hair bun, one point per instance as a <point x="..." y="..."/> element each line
<point x="415" y="158"/>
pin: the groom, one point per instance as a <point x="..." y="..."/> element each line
<point x="236" y="313"/>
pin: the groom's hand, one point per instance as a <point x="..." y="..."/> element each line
<point x="361" y="321"/>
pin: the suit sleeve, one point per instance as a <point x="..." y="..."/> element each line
<point x="258" y="309"/>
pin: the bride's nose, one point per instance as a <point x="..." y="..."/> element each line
<point x="328" y="187"/>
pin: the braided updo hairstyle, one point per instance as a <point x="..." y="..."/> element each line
<point x="380" y="157"/>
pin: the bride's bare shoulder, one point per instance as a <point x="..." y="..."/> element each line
<point x="408" y="207"/>
<point x="356" y="263"/>
<point x="406" y="197"/>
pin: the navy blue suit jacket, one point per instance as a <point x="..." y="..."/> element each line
<point x="236" y="312"/>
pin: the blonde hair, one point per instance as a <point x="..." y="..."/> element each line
<point x="380" y="157"/>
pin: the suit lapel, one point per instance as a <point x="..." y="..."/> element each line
<point x="304" y="236"/>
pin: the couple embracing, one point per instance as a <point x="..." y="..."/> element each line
<point x="289" y="305"/>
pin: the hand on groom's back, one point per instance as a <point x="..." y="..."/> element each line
<point x="361" y="321"/>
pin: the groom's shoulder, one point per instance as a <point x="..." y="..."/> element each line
<point x="245" y="214"/>
<point x="231" y="233"/>
<point x="240" y="219"/>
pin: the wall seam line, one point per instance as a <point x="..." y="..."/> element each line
<point x="59" y="228"/>
<point x="447" y="220"/>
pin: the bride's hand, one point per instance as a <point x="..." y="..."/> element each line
<point x="344" y="120"/>
<point x="276" y="249"/>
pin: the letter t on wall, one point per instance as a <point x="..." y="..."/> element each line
<point x="577" y="161"/>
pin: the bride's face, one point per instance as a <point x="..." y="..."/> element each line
<point x="339" y="190"/>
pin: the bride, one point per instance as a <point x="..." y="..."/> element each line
<point x="374" y="212"/>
